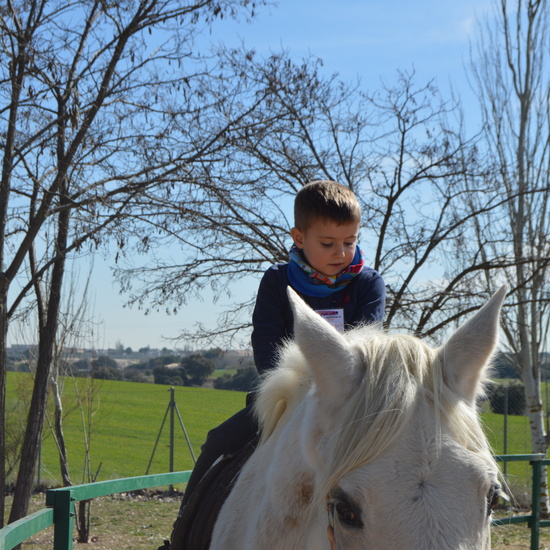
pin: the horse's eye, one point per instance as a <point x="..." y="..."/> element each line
<point x="347" y="515"/>
<point x="493" y="496"/>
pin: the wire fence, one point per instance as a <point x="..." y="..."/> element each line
<point x="508" y="429"/>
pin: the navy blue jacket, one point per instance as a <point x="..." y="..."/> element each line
<point x="363" y="301"/>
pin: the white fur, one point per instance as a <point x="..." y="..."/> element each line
<point x="381" y="421"/>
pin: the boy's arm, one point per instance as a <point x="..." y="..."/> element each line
<point x="370" y="299"/>
<point x="271" y="319"/>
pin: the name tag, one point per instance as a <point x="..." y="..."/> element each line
<point x="334" y="316"/>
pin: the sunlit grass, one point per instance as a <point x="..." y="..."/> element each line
<point x="126" y="420"/>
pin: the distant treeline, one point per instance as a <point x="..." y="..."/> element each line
<point x="191" y="369"/>
<point x="195" y="369"/>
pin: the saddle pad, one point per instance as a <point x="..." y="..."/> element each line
<point x="193" y="530"/>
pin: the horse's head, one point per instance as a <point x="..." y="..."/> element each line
<point x="379" y="430"/>
<point x="391" y="432"/>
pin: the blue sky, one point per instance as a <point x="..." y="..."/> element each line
<point x="368" y="39"/>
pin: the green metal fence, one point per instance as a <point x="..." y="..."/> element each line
<point x="60" y="507"/>
<point x="59" y="510"/>
<point x="533" y="520"/>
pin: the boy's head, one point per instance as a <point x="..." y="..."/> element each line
<point x="326" y="218"/>
<point x="327" y="200"/>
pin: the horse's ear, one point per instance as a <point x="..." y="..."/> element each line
<point x="328" y="354"/>
<point x="468" y="351"/>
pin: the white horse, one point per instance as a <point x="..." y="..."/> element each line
<point x="370" y="441"/>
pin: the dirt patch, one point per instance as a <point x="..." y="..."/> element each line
<point x="517" y="537"/>
<point x="120" y="522"/>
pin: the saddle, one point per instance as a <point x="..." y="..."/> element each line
<point x="195" y="524"/>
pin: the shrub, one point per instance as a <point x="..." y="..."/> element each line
<point x="196" y="369"/>
<point x="242" y="380"/>
<point x="106" y="368"/>
<point x="516" y="398"/>
<point x="168" y="376"/>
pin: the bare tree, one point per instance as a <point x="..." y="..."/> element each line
<point x="510" y="74"/>
<point x="87" y="125"/>
<point x="400" y="149"/>
<point x="76" y="328"/>
<point x="75" y="324"/>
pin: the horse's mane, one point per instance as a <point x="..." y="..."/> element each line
<point x="400" y="376"/>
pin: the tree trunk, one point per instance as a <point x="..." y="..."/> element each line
<point x="35" y="422"/>
<point x="33" y="433"/>
<point x="3" y="362"/>
<point x="83" y="523"/>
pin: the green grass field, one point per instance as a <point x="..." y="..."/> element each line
<point x="518" y="474"/>
<point x="125" y="419"/>
<point x="221" y="372"/>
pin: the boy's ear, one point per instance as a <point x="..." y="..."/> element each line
<point x="297" y="237"/>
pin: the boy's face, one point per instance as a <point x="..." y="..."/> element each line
<point x="328" y="247"/>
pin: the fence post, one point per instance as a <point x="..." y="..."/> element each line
<point x="62" y="501"/>
<point x="505" y="430"/>
<point x="172" y="407"/>
<point x="536" y="464"/>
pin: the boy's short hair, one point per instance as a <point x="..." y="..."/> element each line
<point x="327" y="200"/>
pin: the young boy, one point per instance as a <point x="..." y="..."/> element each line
<point x="327" y="269"/>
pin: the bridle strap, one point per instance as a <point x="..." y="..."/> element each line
<point x="330" y="526"/>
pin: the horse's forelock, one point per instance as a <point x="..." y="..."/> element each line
<point x="395" y="368"/>
<point x="401" y="373"/>
<point x="396" y="371"/>
<point x="390" y="366"/>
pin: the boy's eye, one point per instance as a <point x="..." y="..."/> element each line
<point x="350" y="244"/>
<point x="326" y="245"/>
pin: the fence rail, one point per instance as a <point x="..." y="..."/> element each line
<point x="60" y="507"/>
<point x="59" y="510"/>
<point x="21" y="530"/>
<point x="533" y="520"/>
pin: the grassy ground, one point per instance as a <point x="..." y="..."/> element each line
<point x="124" y="421"/>
<point x="517" y="537"/>
<point x="518" y="474"/>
